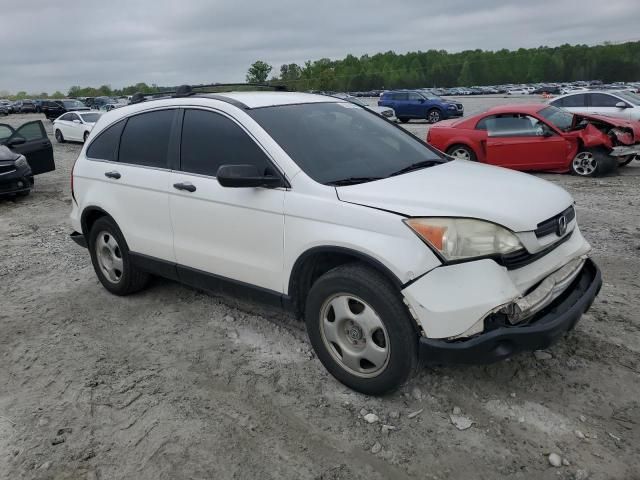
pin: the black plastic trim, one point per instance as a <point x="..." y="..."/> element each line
<point x="208" y="281"/>
<point x="79" y="238"/>
<point x="341" y="251"/>
<point x="540" y="332"/>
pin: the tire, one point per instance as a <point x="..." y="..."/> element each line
<point x="59" y="136"/>
<point x="382" y="359"/>
<point x="111" y="260"/>
<point x="403" y="119"/>
<point x="434" y="115"/>
<point x="592" y="163"/>
<point x="462" y="152"/>
<point x="85" y="136"/>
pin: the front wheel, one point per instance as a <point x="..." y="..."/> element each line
<point x="403" y="119"/>
<point x="434" y="115"/>
<point x="361" y="330"/>
<point x="86" y="135"/>
<point x="59" y="136"/>
<point x="592" y="163"/>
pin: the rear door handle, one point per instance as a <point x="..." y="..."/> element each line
<point x="189" y="187"/>
<point x="112" y="174"/>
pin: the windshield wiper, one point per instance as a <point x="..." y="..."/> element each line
<point x="352" y="181"/>
<point x="416" y="166"/>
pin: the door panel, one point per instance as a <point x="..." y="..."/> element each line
<point x="527" y="153"/>
<point x="236" y="233"/>
<point x="37" y="147"/>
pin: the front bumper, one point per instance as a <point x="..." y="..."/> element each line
<point x="503" y="340"/>
<point x="15" y="183"/>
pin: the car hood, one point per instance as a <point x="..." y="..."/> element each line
<point x="459" y="188"/>
<point x="7" y="155"/>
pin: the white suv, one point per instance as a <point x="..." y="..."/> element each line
<point x="390" y="250"/>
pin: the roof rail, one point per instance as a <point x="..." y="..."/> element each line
<point x="188" y="90"/>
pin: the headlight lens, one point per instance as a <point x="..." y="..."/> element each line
<point x="461" y="238"/>
<point x="21" y="163"/>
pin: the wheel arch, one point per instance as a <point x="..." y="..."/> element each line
<point x="316" y="261"/>
<point x="89" y="216"/>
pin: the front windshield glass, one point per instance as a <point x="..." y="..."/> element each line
<point x="559" y="117"/>
<point x="68" y="104"/>
<point x="334" y="142"/>
<point x="629" y="97"/>
<point x="90" y="117"/>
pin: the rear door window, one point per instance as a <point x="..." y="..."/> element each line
<point x="145" y="139"/>
<point x="400" y="96"/>
<point x="210" y="139"/>
<point x="105" y="146"/>
<point x="575" y="101"/>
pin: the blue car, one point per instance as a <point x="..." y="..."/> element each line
<point x="410" y="104"/>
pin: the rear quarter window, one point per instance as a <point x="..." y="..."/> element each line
<point x="105" y="146"/>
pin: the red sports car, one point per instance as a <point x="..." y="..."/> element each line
<point x="540" y="137"/>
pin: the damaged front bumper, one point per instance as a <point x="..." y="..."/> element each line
<point x="624" y="150"/>
<point x="502" y="339"/>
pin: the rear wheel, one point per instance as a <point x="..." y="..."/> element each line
<point x="462" y="152"/>
<point x="592" y="163"/>
<point x="111" y="259"/>
<point x="434" y="115"/>
<point x="361" y="330"/>
<point x="59" y="136"/>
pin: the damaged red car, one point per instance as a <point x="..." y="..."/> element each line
<point x="540" y="137"/>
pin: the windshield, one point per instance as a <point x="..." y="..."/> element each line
<point x="629" y="97"/>
<point x="333" y="142"/>
<point x="68" y="104"/>
<point x="90" y="117"/>
<point x="559" y="117"/>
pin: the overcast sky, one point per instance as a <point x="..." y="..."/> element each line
<point x="48" y="45"/>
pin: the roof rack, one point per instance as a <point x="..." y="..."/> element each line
<point x="188" y="90"/>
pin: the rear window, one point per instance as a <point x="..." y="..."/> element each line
<point x="105" y="146"/>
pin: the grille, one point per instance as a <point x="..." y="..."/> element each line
<point x="550" y="225"/>
<point x="7" y="169"/>
<point x="520" y="258"/>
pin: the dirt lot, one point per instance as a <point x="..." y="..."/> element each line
<point x="172" y="383"/>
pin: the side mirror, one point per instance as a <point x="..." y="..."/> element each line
<point x="621" y="105"/>
<point x="16" y="141"/>
<point x="243" y="176"/>
<point x="546" y="131"/>
<point x="422" y="100"/>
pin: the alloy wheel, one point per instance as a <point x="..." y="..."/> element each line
<point x="584" y="163"/>
<point x="461" y="153"/>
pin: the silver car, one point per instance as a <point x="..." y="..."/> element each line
<point x="620" y="103"/>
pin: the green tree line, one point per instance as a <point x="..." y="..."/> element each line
<point x="438" y="68"/>
<point x="434" y="68"/>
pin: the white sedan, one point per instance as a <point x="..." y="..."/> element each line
<point x="74" y="126"/>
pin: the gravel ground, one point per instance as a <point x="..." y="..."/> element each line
<point x="172" y="383"/>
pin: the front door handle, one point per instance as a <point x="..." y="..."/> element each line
<point x="189" y="187"/>
<point x="112" y="174"/>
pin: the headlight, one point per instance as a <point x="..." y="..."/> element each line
<point x="21" y="163"/>
<point x="452" y="107"/>
<point x="460" y="238"/>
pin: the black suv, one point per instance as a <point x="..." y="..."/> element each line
<point x="52" y="109"/>
<point x="25" y="106"/>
